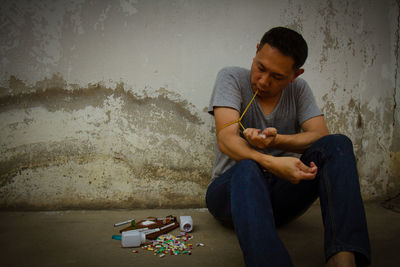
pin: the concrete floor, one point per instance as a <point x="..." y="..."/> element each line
<point x="83" y="238"/>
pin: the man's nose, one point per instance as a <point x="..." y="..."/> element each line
<point x="265" y="79"/>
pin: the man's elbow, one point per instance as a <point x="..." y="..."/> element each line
<point x="221" y="145"/>
<point x="321" y="134"/>
<point x="325" y="132"/>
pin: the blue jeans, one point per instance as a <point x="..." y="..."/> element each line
<point x="256" y="201"/>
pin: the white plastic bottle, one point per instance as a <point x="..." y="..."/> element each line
<point x="133" y="238"/>
<point x="186" y="223"/>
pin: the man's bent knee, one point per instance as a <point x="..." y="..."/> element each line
<point x="248" y="172"/>
<point x="247" y="164"/>
<point x="338" y="142"/>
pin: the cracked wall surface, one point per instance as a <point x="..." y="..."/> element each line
<point x="100" y="147"/>
<point x="102" y="103"/>
<point x="394" y="151"/>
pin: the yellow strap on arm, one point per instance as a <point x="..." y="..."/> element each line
<point x="241" y="117"/>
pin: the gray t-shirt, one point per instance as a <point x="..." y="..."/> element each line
<point x="233" y="89"/>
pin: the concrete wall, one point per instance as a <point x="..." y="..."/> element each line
<point x="103" y="103"/>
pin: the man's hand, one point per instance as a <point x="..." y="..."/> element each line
<point x="260" y="139"/>
<point x="291" y="169"/>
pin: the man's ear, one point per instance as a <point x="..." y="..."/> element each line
<point x="297" y="74"/>
<point x="258" y="48"/>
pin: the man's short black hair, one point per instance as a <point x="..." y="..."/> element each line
<point x="289" y="42"/>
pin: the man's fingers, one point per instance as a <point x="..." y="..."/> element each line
<point x="251" y="132"/>
<point x="308" y="176"/>
<point x="312" y="169"/>
<point x="302" y="166"/>
<point x="248" y="133"/>
<point x="307" y="173"/>
<point x="272" y="131"/>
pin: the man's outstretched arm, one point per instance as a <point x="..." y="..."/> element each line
<point x="237" y="148"/>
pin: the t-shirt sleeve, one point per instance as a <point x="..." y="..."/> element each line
<point x="307" y="107"/>
<point x="226" y="92"/>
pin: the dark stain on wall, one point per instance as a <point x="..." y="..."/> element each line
<point x="53" y="95"/>
<point x="164" y="120"/>
<point x="39" y="155"/>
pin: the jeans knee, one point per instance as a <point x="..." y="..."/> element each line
<point x="248" y="173"/>
<point x="338" y="142"/>
<point x="342" y="139"/>
<point x="247" y="164"/>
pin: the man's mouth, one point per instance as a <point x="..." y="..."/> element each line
<point x="261" y="91"/>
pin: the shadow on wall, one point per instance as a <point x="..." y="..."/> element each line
<point x="64" y="146"/>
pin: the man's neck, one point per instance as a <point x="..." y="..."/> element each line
<point x="268" y="104"/>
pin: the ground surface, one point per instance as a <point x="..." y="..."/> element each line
<point x="83" y="238"/>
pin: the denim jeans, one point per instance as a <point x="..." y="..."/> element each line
<point x="256" y="201"/>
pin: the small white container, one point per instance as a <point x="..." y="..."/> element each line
<point x="133" y="238"/>
<point x="186" y="223"/>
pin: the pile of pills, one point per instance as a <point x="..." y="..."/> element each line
<point x="170" y="245"/>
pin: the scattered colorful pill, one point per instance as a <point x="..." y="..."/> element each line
<point x="169" y="244"/>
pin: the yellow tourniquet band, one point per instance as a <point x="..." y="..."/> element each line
<point x="240" y="119"/>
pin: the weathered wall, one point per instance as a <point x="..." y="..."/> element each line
<point x="102" y="103"/>
<point x="394" y="149"/>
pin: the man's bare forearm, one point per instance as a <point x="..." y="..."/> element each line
<point x="289" y="168"/>
<point x="297" y="143"/>
<point x="238" y="149"/>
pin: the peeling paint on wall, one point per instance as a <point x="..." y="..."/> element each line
<point x="102" y="102"/>
<point x="74" y="146"/>
<point x="394" y="156"/>
<point x="370" y="139"/>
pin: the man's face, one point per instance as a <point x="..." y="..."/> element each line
<point x="272" y="71"/>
